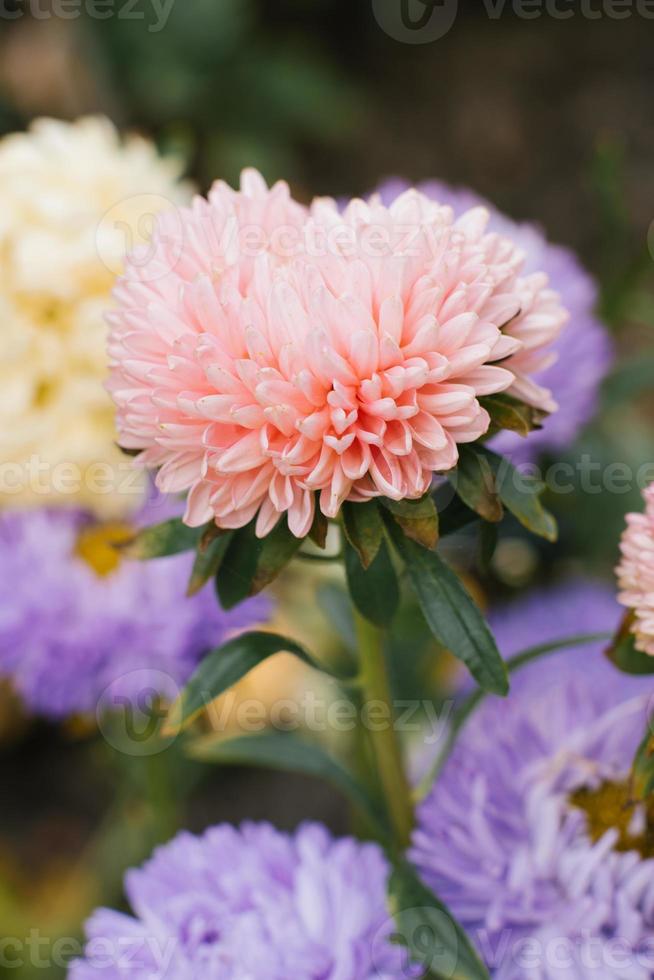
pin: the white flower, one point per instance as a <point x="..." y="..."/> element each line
<point x="73" y="198"/>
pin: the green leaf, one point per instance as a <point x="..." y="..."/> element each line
<point x="417" y="518"/>
<point x="277" y="549"/>
<point x="289" y="753"/>
<point x="251" y="563"/>
<point x="434" y="939"/>
<point x="520" y="494"/>
<point x="319" y="529"/>
<point x="374" y="590"/>
<point x="451" y="614"/>
<point x="642" y="776"/>
<point x="509" y="413"/>
<point x="364" y="530"/>
<point x="226" y="665"/>
<point x="160" y="540"/>
<point x="207" y="562"/>
<point x="474" y="481"/>
<point x="488" y="537"/>
<point x="623" y="653"/>
<point x="453" y="515"/>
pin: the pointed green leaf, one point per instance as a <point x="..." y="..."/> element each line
<point x="226" y="665"/>
<point x="374" y="590"/>
<point x="238" y="567"/>
<point x="435" y="940"/>
<point x="364" y="529"/>
<point x="642" y="777"/>
<point x="452" y="616"/>
<point x="207" y="562"/>
<point x="319" y="529"/>
<point x="521" y="494"/>
<point x="509" y="413"/>
<point x="453" y="515"/>
<point x="623" y="653"/>
<point x="289" y="753"/>
<point x="474" y="481"/>
<point x="642" y="773"/>
<point x="252" y="563"/>
<point x="488" y="537"/>
<point x="161" y="540"/>
<point x="417" y="518"/>
<point x="277" y="549"/>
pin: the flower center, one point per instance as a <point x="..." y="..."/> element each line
<point x="96" y="546"/>
<point x="611" y="806"/>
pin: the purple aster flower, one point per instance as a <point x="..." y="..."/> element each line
<point x="584" y="350"/>
<point x="250" y="904"/>
<point x="529" y="834"/>
<point x="74" y="618"/>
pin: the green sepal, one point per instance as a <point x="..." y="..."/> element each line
<point x="374" y="591"/>
<point x="417" y="518"/>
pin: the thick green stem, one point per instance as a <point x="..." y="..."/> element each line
<point x="161" y="795"/>
<point x="383" y="734"/>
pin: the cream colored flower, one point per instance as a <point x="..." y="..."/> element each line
<point x="74" y="197"/>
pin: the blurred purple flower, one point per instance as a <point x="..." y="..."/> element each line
<point x="68" y="632"/>
<point x="250" y="904"/>
<point x="585" y="350"/>
<point x="548" y="886"/>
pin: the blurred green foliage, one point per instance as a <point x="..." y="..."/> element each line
<point x="217" y="82"/>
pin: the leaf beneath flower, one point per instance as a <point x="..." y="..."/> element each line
<point x="417" y="518"/>
<point x="509" y="413"/>
<point x="207" y="562"/>
<point x="521" y="495"/>
<point x="364" y="530"/>
<point x="252" y="563"/>
<point x="623" y="653"/>
<point x="225" y="666"/>
<point x="374" y="590"/>
<point x="161" y="540"/>
<point x="424" y="925"/>
<point x="452" y="616"/>
<point x="474" y="481"/>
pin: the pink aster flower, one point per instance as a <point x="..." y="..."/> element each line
<point x="264" y="353"/>
<point x="636" y="572"/>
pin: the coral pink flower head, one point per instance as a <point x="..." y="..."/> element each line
<point x="264" y="354"/>
<point x="636" y="572"/>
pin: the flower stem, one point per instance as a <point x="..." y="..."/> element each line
<point x="161" y="795"/>
<point x="383" y="737"/>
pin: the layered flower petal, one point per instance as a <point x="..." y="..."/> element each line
<point x="636" y="572"/>
<point x="320" y="364"/>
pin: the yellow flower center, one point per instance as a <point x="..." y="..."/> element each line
<point x="612" y="806"/>
<point x="96" y="545"/>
